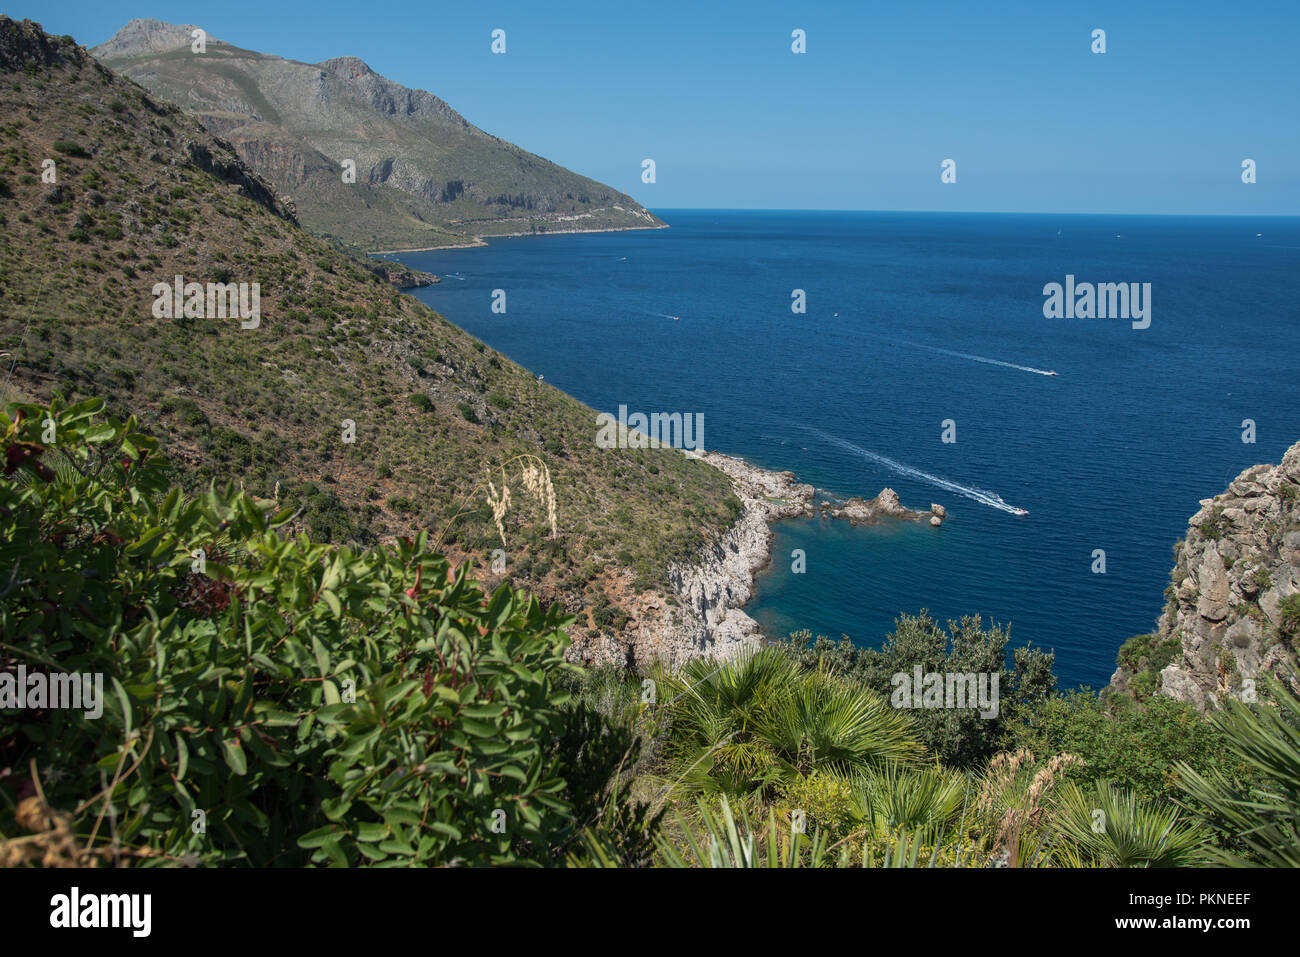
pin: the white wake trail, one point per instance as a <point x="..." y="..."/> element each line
<point x="975" y="358"/>
<point x="991" y="499"/>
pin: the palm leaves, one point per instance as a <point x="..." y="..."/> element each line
<point x="1264" y="819"/>
<point x="823" y="721"/>
<point x="896" y="797"/>
<point x="717" y="838"/>
<point x="748" y="723"/>
<point x="720" y="841"/>
<point x="1112" y="827"/>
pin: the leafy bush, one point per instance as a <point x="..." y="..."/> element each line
<point x="68" y="148"/>
<point x="304" y="703"/>
<point x="1146" y="656"/>
<point x="1135" y="748"/>
<point x="186" y="411"/>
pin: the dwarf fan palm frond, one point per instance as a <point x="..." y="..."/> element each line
<point x="1114" y="827"/>
<point x="1263" y="817"/>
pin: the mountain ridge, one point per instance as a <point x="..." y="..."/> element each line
<point x="424" y="175"/>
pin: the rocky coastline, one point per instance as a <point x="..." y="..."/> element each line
<point x="703" y="616"/>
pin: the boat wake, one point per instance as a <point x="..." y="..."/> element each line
<point x="991" y="499"/>
<point x="984" y="359"/>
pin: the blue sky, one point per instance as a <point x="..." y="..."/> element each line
<point x="1011" y="91"/>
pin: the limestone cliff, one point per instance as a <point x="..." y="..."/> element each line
<point x="1234" y="600"/>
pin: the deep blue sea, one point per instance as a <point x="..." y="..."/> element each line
<point x="1112" y="453"/>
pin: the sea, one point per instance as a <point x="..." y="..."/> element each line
<point x="919" y="362"/>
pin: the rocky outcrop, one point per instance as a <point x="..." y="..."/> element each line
<point x="1234" y="572"/>
<point x="860" y="511"/>
<point x="24" y="44"/>
<point x="400" y="275"/>
<point x="229" y="168"/>
<point x="703" y="616"/>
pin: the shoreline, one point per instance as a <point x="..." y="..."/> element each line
<point x="708" y="620"/>
<point x="482" y="240"/>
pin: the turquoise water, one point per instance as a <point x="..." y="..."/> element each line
<point x="1112" y="453"/>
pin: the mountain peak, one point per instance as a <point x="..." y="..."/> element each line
<point x="347" y="67"/>
<point x="144" y="35"/>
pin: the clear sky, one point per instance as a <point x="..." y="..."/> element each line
<point x="1011" y="91"/>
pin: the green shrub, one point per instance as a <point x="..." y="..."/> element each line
<point x="68" y="148"/>
<point x="315" y="704"/>
<point x="1289" y="616"/>
<point x="1146" y="656"/>
<point x="1111" y="827"/>
<point x="187" y="411"/>
<point x="400" y="503"/>
<point x="1135" y="748"/>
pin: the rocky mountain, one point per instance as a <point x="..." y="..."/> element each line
<point x="424" y="175"/>
<point x="1233" y="608"/>
<point x="345" y="399"/>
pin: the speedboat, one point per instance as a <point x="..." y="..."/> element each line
<point x="1020" y="511"/>
<point x="1051" y="373"/>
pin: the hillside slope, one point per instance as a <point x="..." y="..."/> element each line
<point x="424" y="175"/>
<point x="144" y="194"/>
<point x="1233" y="610"/>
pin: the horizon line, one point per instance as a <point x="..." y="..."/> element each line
<point x="960" y="212"/>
